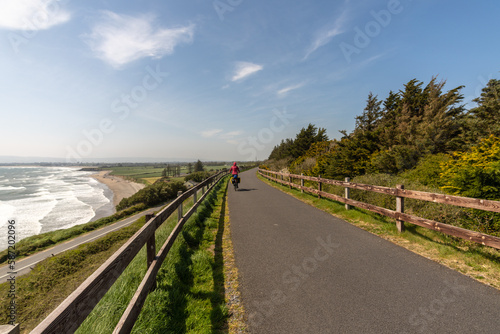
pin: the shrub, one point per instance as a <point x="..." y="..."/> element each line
<point x="197" y="176"/>
<point x="428" y="170"/>
<point x="475" y="173"/>
<point x="154" y="194"/>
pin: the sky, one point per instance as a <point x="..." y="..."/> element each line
<point x="220" y="79"/>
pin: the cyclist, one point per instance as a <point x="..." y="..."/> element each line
<point x="234" y="171"/>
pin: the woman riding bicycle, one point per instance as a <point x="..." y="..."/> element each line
<point x="234" y="171"/>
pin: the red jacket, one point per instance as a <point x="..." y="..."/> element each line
<point x="234" y="169"/>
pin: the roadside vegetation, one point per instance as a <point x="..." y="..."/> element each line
<point x="154" y="194"/>
<point x="190" y="294"/>
<point x="190" y="285"/>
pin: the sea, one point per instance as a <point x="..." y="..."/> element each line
<point x="44" y="199"/>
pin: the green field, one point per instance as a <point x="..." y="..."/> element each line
<point x="148" y="174"/>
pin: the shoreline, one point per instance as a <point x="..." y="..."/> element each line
<point x="120" y="188"/>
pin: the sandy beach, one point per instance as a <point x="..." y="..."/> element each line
<point x="121" y="188"/>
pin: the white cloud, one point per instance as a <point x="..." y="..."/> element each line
<point x="289" y="88"/>
<point x="31" y="14"/>
<point x="372" y="59"/>
<point x="327" y="34"/>
<point x="120" y="39"/>
<point x="231" y="134"/>
<point x="228" y="137"/>
<point x="244" y="69"/>
<point x="210" y="133"/>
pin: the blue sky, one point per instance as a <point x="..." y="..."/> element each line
<point x="224" y="79"/>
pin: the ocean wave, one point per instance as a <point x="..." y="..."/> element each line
<point x="7" y="188"/>
<point x="44" y="199"/>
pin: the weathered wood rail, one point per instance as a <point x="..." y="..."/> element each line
<point x="400" y="193"/>
<point x="69" y="315"/>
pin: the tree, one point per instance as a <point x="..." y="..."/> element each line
<point x="190" y="168"/>
<point x="389" y="120"/>
<point x="439" y="130"/>
<point x="484" y="120"/>
<point x="198" y="166"/>
<point x="370" y="117"/>
<point x="164" y="172"/>
<point x="282" y="150"/>
<point x="305" y="138"/>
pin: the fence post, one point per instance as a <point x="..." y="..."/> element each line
<point x="290" y="180"/>
<point x="195" y="196"/>
<point x="347" y="193"/>
<point x="400" y="208"/>
<point x="151" y="248"/>
<point x="179" y="208"/>
<point x="302" y="183"/>
<point x="9" y="329"/>
<point x="319" y="186"/>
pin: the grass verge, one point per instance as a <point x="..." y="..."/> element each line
<point x="190" y="293"/>
<point x="479" y="262"/>
<point x="236" y="320"/>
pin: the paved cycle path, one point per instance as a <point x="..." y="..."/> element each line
<point x="305" y="271"/>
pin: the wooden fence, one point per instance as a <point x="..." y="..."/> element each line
<point x="400" y="193"/>
<point x="69" y="315"/>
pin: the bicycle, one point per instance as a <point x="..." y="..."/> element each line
<point x="235" y="180"/>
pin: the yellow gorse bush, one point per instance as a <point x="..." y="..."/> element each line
<point x="475" y="173"/>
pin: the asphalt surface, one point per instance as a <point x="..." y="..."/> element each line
<point x="25" y="265"/>
<point x="305" y="271"/>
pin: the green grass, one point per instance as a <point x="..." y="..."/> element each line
<point x="37" y="243"/>
<point x="190" y="293"/>
<point x="474" y="260"/>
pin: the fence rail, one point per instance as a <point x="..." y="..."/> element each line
<point x="400" y="193"/>
<point x="69" y="315"/>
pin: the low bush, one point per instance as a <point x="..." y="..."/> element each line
<point x="197" y="176"/>
<point x="154" y="194"/>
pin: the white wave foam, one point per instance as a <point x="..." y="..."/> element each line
<point x="2" y="188"/>
<point x="52" y="198"/>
